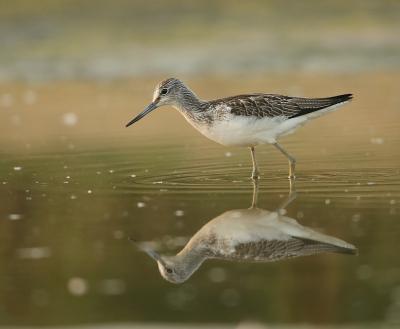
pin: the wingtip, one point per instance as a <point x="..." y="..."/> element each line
<point x="342" y="98"/>
<point x="348" y="97"/>
<point x="349" y="251"/>
<point x="354" y="252"/>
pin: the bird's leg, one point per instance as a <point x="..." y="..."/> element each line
<point x="291" y="197"/>
<point x="256" y="184"/>
<point x="255" y="166"/>
<point x="292" y="161"/>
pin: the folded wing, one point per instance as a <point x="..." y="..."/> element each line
<point x="270" y="105"/>
<point x="272" y="250"/>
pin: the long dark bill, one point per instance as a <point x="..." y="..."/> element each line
<point x="150" y="252"/>
<point x="147" y="110"/>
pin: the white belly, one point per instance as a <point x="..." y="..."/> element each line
<point x="249" y="131"/>
<point x="233" y="130"/>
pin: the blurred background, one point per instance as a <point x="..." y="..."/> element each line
<point x="71" y="39"/>
<point x="75" y="183"/>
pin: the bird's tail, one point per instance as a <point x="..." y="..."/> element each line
<point x="313" y="247"/>
<point x="309" y="105"/>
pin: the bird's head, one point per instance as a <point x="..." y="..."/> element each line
<point x="171" y="268"/>
<point x="168" y="92"/>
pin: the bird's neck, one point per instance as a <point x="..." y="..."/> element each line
<point x="190" y="105"/>
<point x="193" y="255"/>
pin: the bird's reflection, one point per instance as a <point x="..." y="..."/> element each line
<point x="247" y="235"/>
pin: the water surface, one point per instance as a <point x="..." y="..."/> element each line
<point x="75" y="184"/>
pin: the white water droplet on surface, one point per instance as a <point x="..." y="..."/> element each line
<point x="17" y="168"/>
<point x="69" y="119"/>
<point x="15" y="216"/>
<point x="377" y="140"/>
<point x="33" y="253"/>
<point x="77" y="286"/>
<point x="141" y="205"/>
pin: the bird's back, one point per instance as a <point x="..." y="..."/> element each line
<point x="273" y="105"/>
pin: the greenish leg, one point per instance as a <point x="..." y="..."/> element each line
<point x="292" y="160"/>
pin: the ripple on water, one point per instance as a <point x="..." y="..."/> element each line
<point x="202" y="168"/>
<point x="199" y="169"/>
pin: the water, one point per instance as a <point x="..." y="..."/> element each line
<point x="75" y="184"/>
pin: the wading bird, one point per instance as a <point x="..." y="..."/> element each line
<point x="244" y="120"/>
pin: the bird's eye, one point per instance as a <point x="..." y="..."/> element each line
<point x="169" y="270"/>
<point x="164" y="91"/>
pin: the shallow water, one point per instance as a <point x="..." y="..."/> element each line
<point x="76" y="184"/>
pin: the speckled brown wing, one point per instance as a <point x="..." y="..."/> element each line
<point x="272" y="250"/>
<point x="271" y="105"/>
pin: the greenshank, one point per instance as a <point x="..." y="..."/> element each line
<point x="247" y="235"/>
<point x="244" y="120"/>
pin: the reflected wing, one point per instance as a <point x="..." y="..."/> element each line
<point x="267" y="251"/>
<point x="270" y="105"/>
